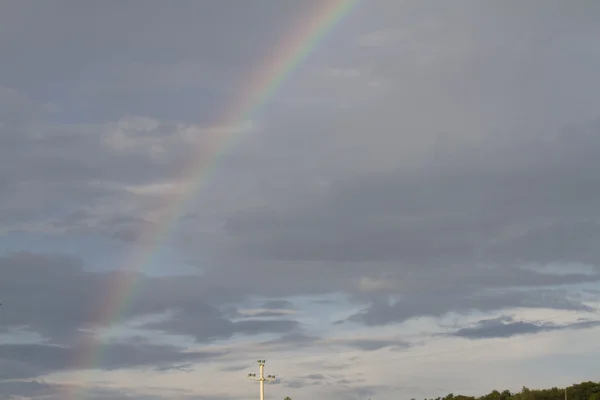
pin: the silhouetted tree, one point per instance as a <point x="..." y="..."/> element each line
<point x="580" y="391"/>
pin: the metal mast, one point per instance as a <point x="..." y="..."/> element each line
<point x="261" y="379"/>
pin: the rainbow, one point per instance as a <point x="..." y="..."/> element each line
<point x="263" y="85"/>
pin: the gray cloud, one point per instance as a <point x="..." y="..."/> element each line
<point x="446" y="194"/>
<point x="189" y="323"/>
<point x="307" y="380"/>
<point x="303" y="340"/>
<point x="24" y="361"/>
<point x="40" y="390"/>
<point x="506" y="213"/>
<point x="374" y="344"/>
<point x="270" y="314"/>
<point x="31" y="389"/>
<point x="466" y="224"/>
<point x="278" y="305"/>
<point x="436" y="164"/>
<point x="507" y="327"/>
<point x="74" y="182"/>
<point x="296" y="339"/>
<point x="381" y="312"/>
<point x="294" y="384"/>
<point x="236" y="368"/>
<point x="99" y="75"/>
<point x="180" y="368"/>
<point x="53" y="295"/>
<point x="465" y="187"/>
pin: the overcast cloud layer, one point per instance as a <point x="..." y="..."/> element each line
<point x="424" y="182"/>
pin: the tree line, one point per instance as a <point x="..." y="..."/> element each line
<point x="580" y="391"/>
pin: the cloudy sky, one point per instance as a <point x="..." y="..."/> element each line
<point x="414" y="210"/>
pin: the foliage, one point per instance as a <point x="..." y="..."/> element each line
<point x="580" y="391"/>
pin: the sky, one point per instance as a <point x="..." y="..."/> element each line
<point x="398" y="200"/>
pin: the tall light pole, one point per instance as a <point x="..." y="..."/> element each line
<point x="261" y="378"/>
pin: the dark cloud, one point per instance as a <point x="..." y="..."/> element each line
<point x="100" y="76"/>
<point x="236" y="368"/>
<point x="324" y="302"/>
<point x="294" y="384"/>
<point x="69" y="175"/>
<point x="180" y="368"/>
<point x="375" y="344"/>
<point x="49" y="294"/>
<point x="23" y="361"/>
<point x="381" y="312"/>
<point x="190" y="322"/>
<point x="128" y="229"/>
<point x="278" y="305"/>
<point x="302" y="340"/>
<point x="31" y="389"/>
<point x="270" y="314"/>
<point x="442" y="234"/>
<point x="307" y="380"/>
<point x="316" y="377"/>
<point x="53" y="295"/>
<point x="454" y="214"/>
<point x="504" y="327"/>
<point x="296" y="339"/>
<point x="40" y="390"/>
<point x="481" y="190"/>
